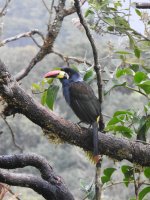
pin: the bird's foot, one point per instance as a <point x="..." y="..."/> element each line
<point x="97" y="158"/>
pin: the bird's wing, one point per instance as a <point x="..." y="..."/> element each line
<point x="84" y="102"/>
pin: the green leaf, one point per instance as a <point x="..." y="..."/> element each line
<point x="123" y="112"/>
<point x="147" y="172"/>
<point x="110" y="21"/>
<point x="50" y="80"/>
<point x="123" y="52"/>
<point x="125" y="71"/>
<point x="109" y="171"/>
<point x="110" y="28"/>
<point x="138" y="12"/>
<point x="107" y="175"/>
<point x="139" y="76"/>
<point x="137" y="52"/>
<point x="74" y="67"/>
<point x="51" y="95"/>
<point x="145" y="85"/>
<point x="147" y="108"/>
<point x="120" y="116"/>
<point x="88" y="75"/>
<point x="43" y="98"/>
<point x="105" y="179"/>
<point x="114" y="120"/>
<point x="144" y="125"/>
<point x="144" y="192"/>
<point x="88" y="12"/>
<point x="132" y="198"/>
<point x="127" y="170"/>
<point x="134" y="67"/>
<point x="35" y="86"/>
<point x="131" y="40"/>
<point x="128" y="174"/>
<point x="125" y="131"/>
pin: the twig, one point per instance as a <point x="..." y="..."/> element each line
<point x="27" y="34"/>
<point x="4" y="9"/>
<point x="136" y="183"/>
<point x="66" y="58"/>
<point x="73" y="8"/>
<point x="129" y="11"/>
<point x="9" y="190"/>
<point x="135" y="90"/>
<point x="46" y="6"/>
<point x="50" y="15"/>
<point x="116" y="183"/>
<point x="12" y="134"/>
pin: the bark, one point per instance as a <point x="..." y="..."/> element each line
<point x="21" y="102"/>
<point x="143" y="5"/>
<point x="49" y="185"/>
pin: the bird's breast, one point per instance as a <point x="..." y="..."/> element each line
<point x="66" y="93"/>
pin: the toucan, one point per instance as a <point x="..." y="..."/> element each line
<point x="81" y="98"/>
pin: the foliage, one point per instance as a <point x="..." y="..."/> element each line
<point x="130" y="75"/>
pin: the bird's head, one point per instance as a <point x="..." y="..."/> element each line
<point x="65" y="73"/>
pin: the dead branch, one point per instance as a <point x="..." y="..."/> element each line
<point x="12" y="134"/>
<point x="67" y="58"/>
<point x="49" y="185"/>
<point x="4" y="9"/>
<point x="27" y="34"/>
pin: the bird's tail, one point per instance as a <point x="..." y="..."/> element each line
<point x="101" y="125"/>
<point x="95" y="141"/>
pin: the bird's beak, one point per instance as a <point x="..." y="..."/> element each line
<point x="55" y="74"/>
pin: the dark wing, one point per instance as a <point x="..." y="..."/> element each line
<point x="84" y="102"/>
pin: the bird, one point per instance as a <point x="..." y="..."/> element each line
<point x="81" y="98"/>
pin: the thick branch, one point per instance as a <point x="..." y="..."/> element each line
<point x="143" y="5"/>
<point x="109" y="145"/>
<point x="50" y="186"/>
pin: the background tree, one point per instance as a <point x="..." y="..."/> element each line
<point x="123" y="69"/>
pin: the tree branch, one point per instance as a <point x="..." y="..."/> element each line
<point x="66" y="58"/>
<point x="4" y="9"/>
<point x="12" y="134"/>
<point x="67" y="131"/>
<point x="143" y="5"/>
<point x="27" y="34"/>
<point x="53" y="30"/>
<point x="50" y="186"/>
